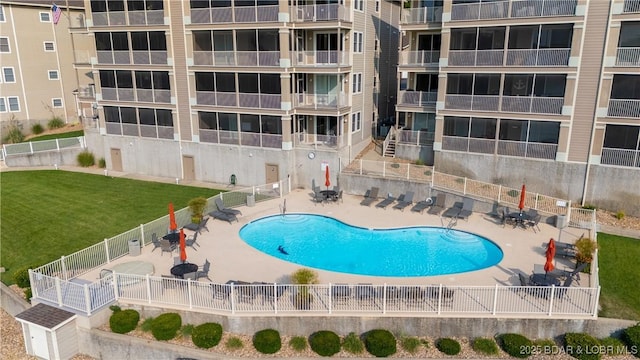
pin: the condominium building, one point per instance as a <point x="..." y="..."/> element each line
<point x="542" y="92"/>
<point x="38" y="80"/>
<point x="259" y="89"/>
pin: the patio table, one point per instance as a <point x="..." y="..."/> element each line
<point x="181" y="269"/>
<point x="544" y="280"/>
<point x="173" y="237"/>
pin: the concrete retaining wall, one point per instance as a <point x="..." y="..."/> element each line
<point x="11" y="302"/>
<point x="47" y="158"/>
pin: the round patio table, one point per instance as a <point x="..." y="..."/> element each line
<point x="134" y="268"/>
<point x="181" y="269"/>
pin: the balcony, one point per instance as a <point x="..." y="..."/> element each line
<point x="628" y="56"/>
<point x="243" y="138"/>
<point x="151" y="17"/>
<point x="242" y="100"/>
<point x="320" y="58"/>
<point x="476" y="57"/>
<point x="620" y="157"/>
<point x="130" y="94"/>
<point x="87" y="92"/>
<point x="153" y="131"/>
<point x="77" y="22"/>
<point x="420" y="58"/>
<point x="527" y="149"/>
<point x="455" y="143"/>
<point x="631" y="6"/>
<point x="518" y="104"/>
<point x="422" y="15"/>
<point x="111" y="57"/>
<point x="81" y="57"/>
<point x="627" y="108"/>
<point x="538" y="57"/>
<point x="240" y="14"/>
<point x="514" y="9"/>
<point x="318" y="141"/>
<point x="415" y="137"/>
<point x="325" y="12"/>
<point x="417" y="98"/>
<point x="135" y="18"/>
<point x="320" y="101"/>
<point x="236" y="58"/>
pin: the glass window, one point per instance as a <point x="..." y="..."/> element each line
<point x="621" y="137"/>
<point x="124" y="79"/>
<point x="250" y="123"/>
<point x="270" y="84"/>
<point x="56" y="102"/>
<point x="2" y="18"/>
<point x="103" y="41"/>
<point x="53" y="74"/>
<point x="463" y="39"/>
<point x="98" y="6"/>
<point x="199" y="4"/>
<point x="223" y="40"/>
<point x="49" y="46"/>
<point x="143" y="80"/>
<point x="268" y="40"/>
<point x="207" y="120"/>
<point x="513" y="130"/>
<point x="147" y="116"/>
<point x="246" y="40"/>
<point x="629" y="34"/>
<point x="164" y="117"/>
<point x="120" y="41"/>
<point x="155" y="4"/>
<point x="271" y="124"/>
<point x="482" y="128"/>
<point x="225" y="82"/>
<point x="202" y="41"/>
<point x="556" y="36"/>
<point x="625" y="87"/>
<point x="487" y="84"/>
<point x="9" y="76"/>
<point x="460" y="84"/>
<point x="139" y="41"/>
<point x="157" y="41"/>
<point x="107" y="79"/>
<point x="3" y="105"/>
<point x="128" y="115"/>
<point x="517" y="85"/>
<point x="135" y="5"/>
<point x="14" y="103"/>
<point x="204" y="82"/>
<point x="45" y="17"/>
<point x="161" y="80"/>
<point x="491" y="38"/>
<point x="111" y="114"/>
<point x="456" y="126"/>
<point x="544" y="132"/>
<point x="429" y="42"/>
<point x="550" y="85"/>
<point x="228" y="121"/>
<point x="115" y="5"/>
<point x="4" y="45"/>
<point x="523" y="37"/>
<point x="248" y="83"/>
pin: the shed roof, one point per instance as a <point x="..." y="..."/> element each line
<point x="45" y="315"/>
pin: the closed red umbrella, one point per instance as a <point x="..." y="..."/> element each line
<point x="183" y="247"/>
<point x="173" y="226"/>
<point x="550" y="254"/>
<point x="327" y="181"/>
<point x="522" y="198"/>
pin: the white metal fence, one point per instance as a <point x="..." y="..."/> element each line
<point x="33" y="147"/>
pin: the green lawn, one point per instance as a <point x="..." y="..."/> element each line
<point x="46" y="214"/>
<point x="619" y="260"/>
<point x="69" y="134"/>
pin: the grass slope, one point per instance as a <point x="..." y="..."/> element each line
<point x="619" y="276"/>
<point x="46" y="214"/>
<point x="69" y="134"/>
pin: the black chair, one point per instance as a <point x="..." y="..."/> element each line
<point x="155" y="241"/>
<point x="422" y="205"/>
<point x="220" y="206"/>
<point x="408" y="200"/>
<point x="386" y="202"/>
<point x="217" y="214"/>
<point x="204" y="271"/>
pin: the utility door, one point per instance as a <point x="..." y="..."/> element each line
<point x="188" y="168"/>
<point x="272" y="173"/>
<point x="39" y="342"/>
<point x="116" y="159"/>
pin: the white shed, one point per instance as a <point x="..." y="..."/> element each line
<point x="49" y="332"/>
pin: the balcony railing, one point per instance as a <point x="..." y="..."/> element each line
<point x="620" y="157"/>
<point x="236" y="58"/>
<point x="156" y="57"/>
<point x="243" y="100"/>
<point x="87" y="92"/>
<point x="151" y="17"/>
<point x="77" y="22"/>
<point x="519" y="104"/>
<point x="324" y="12"/>
<point x="415" y="137"/>
<point x="538" y="57"/>
<point x="417" y="98"/>
<point x="130" y="94"/>
<point x="240" y="14"/>
<point x="244" y="138"/>
<point x="111" y="18"/>
<point x="631" y="6"/>
<point x="420" y="58"/>
<point x="320" y="58"/>
<point x="127" y="129"/>
<point x="119" y="18"/>
<point x="318" y="141"/>
<point x="624" y="108"/>
<point x="527" y="149"/>
<point x="456" y="143"/>
<point x="628" y="56"/>
<point x="514" y="9"/>
<point x="422" y="15"/>
<point x="320" y="101"/>
<point x="476" y="57"/>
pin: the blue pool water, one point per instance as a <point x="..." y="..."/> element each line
<point x="325" y="243"/>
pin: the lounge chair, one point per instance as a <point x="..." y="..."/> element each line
<point x="198" y="227"/>
<point x="370" y="196"/>
<point x="221" y="207"/>
<point x="467" y="208"/>
<point x="566" y="252"/>
<point x="453" y="211"/>
<point x="439" y="205"/>
<point x="408" y="200"/>
<point x="386" y="202"/>
<point x="422" y="205"/>
<point x="217" y="214"/>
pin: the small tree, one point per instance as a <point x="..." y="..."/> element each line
<point x="303" y="277"/>
<point x="197" y="205"/>
<point x="585" y="249"/>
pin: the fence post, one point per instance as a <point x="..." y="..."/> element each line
<point x="464" y="188"/>
<point x="384" y="298"/>
<point x="595" y="303"/>
<point x="360" y="166"/>
<point x="106" y="249"/>
<point x="58" y="144"/>
<point x="553" y="292"/>
<point x="439" y="299"/>
<point x="569" y="212"/>
<point x="253" y="190"/>
<point x="330" y="298"/>
<point x="63" y="268"/>
<point x="58" y="291"/>
<point x="116" y="293"/>
<point x="233" y="301"/>
<point x="189" y="289"/>
<point x="4" y="151"/>
<point x="535" y="203"/>
<point x="495" y="300"/>
<point x="499" y="192"/>
<point x="148" y="288"/>
<point x="87" y="299"/>
<point x="275" y="297"/>
<point x="142" y="235"/>
<point x="433" y="175"/>
<point x="34" y="287"/>
<point x="408" y="171"/>
<point x="384" y="168"/>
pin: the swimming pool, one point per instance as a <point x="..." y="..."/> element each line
<point x="326" y="243"/>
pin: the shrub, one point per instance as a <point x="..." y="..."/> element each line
<point x="197" y="206"/>
<point x="206" y="335"/>
<point x="267" y="341"/>
<point x="304" y="276"/>
<point x="545" y="346"/>
<point x="28" y="294"/>
<point x="513" y="193"/>
<point x="420" y="162"/>
<point x="410" y="344"/>
<point x="102" y="163"/>
<point x="166" y="326"/>
<point x="590" y="207"/>
<point x="14" y="135"/>
<point x="620" y="215"/>
<point x="37" y="129"/>
<point x="123" y="321"/>
<point x="380" y="343"/>
<point x="395" y="165"/>
<point x="325" y="343"/>
<point x="631" y="337"/>
<point x="234" y="343"/>
<point x="585" y="248"/>
<point x="485" y="346"/>
<point x="352" y="343"/>
<point x="186" y="330"/>
<point x="21" y="277"/>
<point x="115" y="308"/>
<point x="448" y="346"/>
<point x="298" y="343"/>
<point x="515" y="345"/>
<point x="581" y="345"/>
<point x="55" y="123"/>
<point x="613" y="346"/>
<point x="146" y="324"/>
<point x="86" y="159"/>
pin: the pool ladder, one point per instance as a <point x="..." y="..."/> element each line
<point x="453" y="222"/>
<point x="283" y="207"/>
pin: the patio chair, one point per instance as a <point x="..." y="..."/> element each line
<point x="386" y="202"/>
<point x="439" y="205"/>
<point x="533" y="222"/>
<point x="422" y="205"/>
<point x="155" y="241"/>
<point x="370" y="196"/>
<point x="566" y="252"/>
<point x="453" y="211"/>
<point x="166" y="246"/>
<point x="575" y="273"/>
<point x="408" y="200"/>
<point x="318" y="197"/>
<point x="340" y="292"/>
<point x="190" y="276"/>
<point x="202" y="225"/>
<point x="204" y="271"/>
<point x="220" y="206"/>
<point x="190" y="242"/>
<point x="217" y="214"/>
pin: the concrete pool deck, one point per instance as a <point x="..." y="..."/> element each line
<point x="232" y="259"/>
